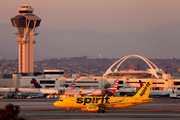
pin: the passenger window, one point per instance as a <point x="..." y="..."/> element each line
<point x="61" y="100"/>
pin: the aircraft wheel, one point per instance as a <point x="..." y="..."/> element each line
<point x="103" y="111"/>
<point x="99" y="111"/>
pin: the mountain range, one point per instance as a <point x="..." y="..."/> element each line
<point x="159" y="42"/>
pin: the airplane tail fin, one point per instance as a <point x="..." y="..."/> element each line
<point x="141" y="83"/>
<point x="73" y="84"/>
<point x="36" y="84"/>
<point x="114" y="85"/>
<point x="144" y="91"/>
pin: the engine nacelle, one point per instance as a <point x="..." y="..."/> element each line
<point x="90" y="108"/>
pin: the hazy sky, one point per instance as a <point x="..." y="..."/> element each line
<point x="110" y="16"/>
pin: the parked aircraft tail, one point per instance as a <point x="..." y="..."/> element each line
<point x="36" y="84"/>
<point x="114" y="86"/>
<point x="144" y="91"/>
<point x="141" y="83"/>
<point x="72" y="85"/>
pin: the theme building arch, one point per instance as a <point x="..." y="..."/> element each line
<point x="154" y="69"/>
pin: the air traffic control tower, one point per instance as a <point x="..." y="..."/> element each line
<point x="25" y="23"/>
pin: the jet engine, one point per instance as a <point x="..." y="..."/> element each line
<point x="104" y="92"/>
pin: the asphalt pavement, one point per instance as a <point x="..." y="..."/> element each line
<point x="166" y="109"/>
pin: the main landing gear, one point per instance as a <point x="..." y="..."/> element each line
<point x="99" y="111"/>
<point x="67" y="110"/>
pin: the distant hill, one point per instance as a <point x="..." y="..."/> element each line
<point x="160" y="42"/>
<point x="85" y="66"/>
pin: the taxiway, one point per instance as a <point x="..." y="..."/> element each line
<point x="44" y="109"/>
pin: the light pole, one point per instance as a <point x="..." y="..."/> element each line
<point x="89" y="72"/>
<point x="102" y="74"/>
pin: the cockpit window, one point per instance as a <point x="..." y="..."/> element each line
<point x="61" y="100"/>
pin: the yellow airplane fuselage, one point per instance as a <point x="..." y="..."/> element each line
<point x="80" y="102"/>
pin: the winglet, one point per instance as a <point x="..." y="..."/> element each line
<point x="144" y="91"/>
<point x="105" y="96"/>
<point x="81" y="93"/>
<point x="122" y="99"/>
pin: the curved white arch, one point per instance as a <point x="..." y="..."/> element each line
<point x="129" y="56"/>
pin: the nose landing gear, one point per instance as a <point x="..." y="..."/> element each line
<point x="67" y="110"/>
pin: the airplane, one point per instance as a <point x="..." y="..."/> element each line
<point x="161" y="92"/>
<point x="71" y="86"/>
<point x="93" y="92"/>
<point x="55" y="90"/>
<point x="45" y="91"/>
<point x="101" y="103"/>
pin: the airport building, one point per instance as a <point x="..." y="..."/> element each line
<point x="128" y="79"/>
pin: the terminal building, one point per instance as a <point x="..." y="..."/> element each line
<point x="128" y="79"/>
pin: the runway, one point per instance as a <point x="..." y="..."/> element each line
<point x="44" y="109"/>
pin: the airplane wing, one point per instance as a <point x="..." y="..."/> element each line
<point x="88" y="93"/>
<point x="108" y="104"/>
<point x="165" y="93"/>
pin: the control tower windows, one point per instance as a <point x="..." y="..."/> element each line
<point x="25" y="11"/>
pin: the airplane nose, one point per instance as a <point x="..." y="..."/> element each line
<point x="56" y="103"/>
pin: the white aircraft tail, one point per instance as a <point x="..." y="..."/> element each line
<point x="114" y="85"/>
<point x="73" y="84"/>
